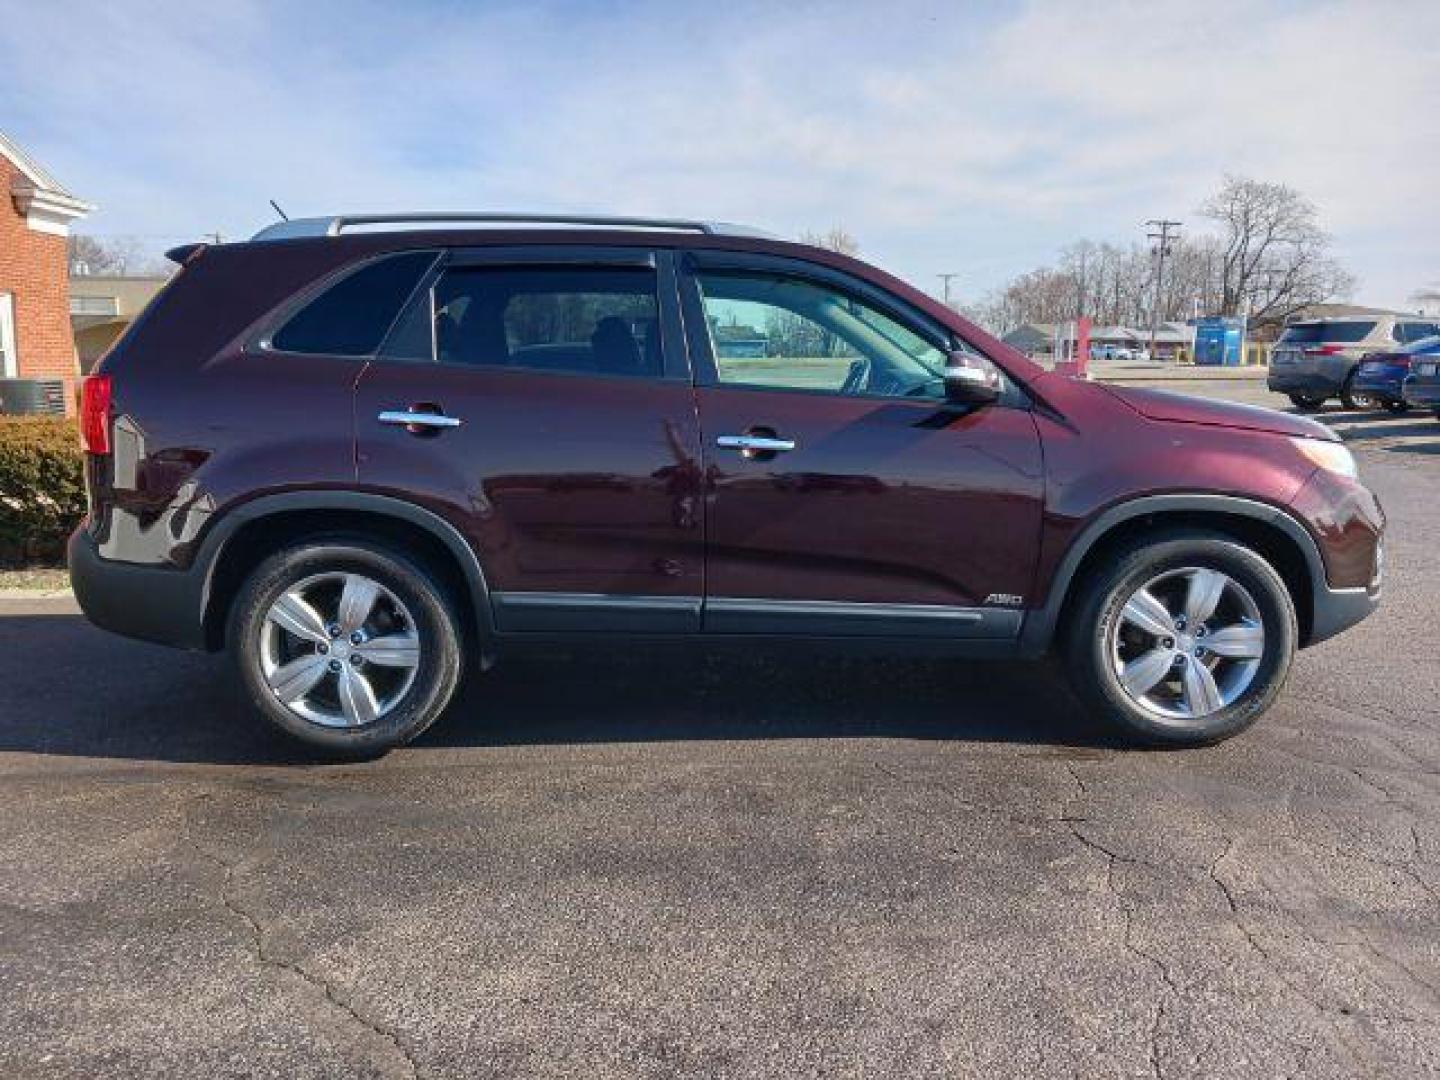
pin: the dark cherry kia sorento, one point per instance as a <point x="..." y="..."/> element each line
<point x="364" y="454"/>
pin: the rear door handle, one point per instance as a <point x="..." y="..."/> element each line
<point x="410" y="419"/>
<point x="755" y="443"/>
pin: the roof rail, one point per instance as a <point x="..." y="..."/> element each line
<point x="298" y="228"/>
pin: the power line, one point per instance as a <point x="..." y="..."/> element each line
<point x="1162" y="249"/>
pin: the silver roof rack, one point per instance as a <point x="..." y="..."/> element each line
<point x="298" y="228"/>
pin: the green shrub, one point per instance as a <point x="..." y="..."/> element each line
<point x="42" y="487"/>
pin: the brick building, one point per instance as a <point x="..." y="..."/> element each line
<point x="36" y="341"/>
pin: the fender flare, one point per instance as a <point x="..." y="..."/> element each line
<point x="212" y="546"/>
<point x="1038" y="631"/>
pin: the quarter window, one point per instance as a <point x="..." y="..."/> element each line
<point x="352" y="317"/>
<point x="591" y="320"/>
<point x="785" y="332"/>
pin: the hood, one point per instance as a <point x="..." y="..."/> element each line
<point x="1184" y="409"/>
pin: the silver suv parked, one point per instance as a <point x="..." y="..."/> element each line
<point x="1315" y="360"/>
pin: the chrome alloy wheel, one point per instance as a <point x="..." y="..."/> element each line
<point x="339" y="650"/>
<point x="1187" y="643"/>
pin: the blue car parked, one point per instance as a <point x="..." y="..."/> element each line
<point x="1422" y="388"/>
<point x="1381" y="375"/>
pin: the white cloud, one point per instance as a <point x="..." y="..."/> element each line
<point x="945" y="137"/>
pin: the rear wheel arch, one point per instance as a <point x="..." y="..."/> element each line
<point x="257" y="530"/>
<point x="1276" y="536"/>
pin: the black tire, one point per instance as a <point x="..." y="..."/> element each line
<point x="436" y="674"/>
<point x="1307" y="402"/>
<point x="1396" y="406"/>
<point x="1087" y="641"/>
<point x="1351" y="400"/>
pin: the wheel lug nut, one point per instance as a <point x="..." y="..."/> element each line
<point x="1201" y="631"/>
<point x="322" y="648"/>
<point x="335" y="665"/>
<point x="1180" y="659"/>
<point x="356" y="659"/>
<point x="357" y="638"/>
<point x="1167" y="643"/>
<point x="333" y="629"/>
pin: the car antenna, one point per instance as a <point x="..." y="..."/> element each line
<point x="283" y="216"/>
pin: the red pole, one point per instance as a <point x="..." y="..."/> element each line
<point x="1082" y="346"/>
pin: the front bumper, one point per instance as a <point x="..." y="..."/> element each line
<point x="1347" y="523"/>
<point x="160" y="604"/>
<point x="1337" y="610"/>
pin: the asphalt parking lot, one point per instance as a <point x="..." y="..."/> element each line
<point x="613" y="864"/>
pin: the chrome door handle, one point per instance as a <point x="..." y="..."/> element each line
<point x="755" y="442"/>
<point x="406" y="418"/>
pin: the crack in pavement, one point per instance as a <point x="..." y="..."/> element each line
<point x="257" y="935"/>
<point x="1128" y="909"/>
<point x="1327" y="1015"/>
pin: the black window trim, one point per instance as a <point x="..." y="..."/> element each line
<point x="262" y="340"/>
<point x="917" y="322"/>
<point x="673" y="354"/>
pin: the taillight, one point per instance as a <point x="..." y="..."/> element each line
<point x="95" y="414"/>
<point x="1324" y="350"/>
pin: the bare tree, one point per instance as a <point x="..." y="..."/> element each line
<point x="835" y="239"/>
<point x="1270" y="254"/>
<point x="111" y="256"/>
<point x="1274" y="257"/>
<point x="1426" y="300"/>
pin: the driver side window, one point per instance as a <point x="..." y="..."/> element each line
<point x="777" y="332"/>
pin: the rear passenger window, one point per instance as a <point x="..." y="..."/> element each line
<point x="352" y="317"/>
<point x="595" y="320"/>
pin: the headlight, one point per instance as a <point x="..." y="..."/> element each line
<point x="1331" y="456"/>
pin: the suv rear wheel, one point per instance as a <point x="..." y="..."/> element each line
<point x="1182" y="639"/>
<point x="1307" y="402"/>
<point x="345" y="645"/>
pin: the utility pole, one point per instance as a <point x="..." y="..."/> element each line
<point x="945" y="283"/>
<point x="1162" y="248"/>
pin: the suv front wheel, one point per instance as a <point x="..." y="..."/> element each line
<point x="345" y="645"/>
<point x="1182" y="639"/>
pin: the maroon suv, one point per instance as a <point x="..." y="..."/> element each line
<point x="363" y="454"/>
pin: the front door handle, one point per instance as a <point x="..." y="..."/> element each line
<point x="409" y="418"/>
<point x="755" y="443"/>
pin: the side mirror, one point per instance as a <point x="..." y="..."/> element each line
<point x="970" y="380"/>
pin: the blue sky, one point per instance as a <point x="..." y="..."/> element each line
<point x="969" y="137"/>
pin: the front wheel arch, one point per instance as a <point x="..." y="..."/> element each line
<point x="1278" y="538"/>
